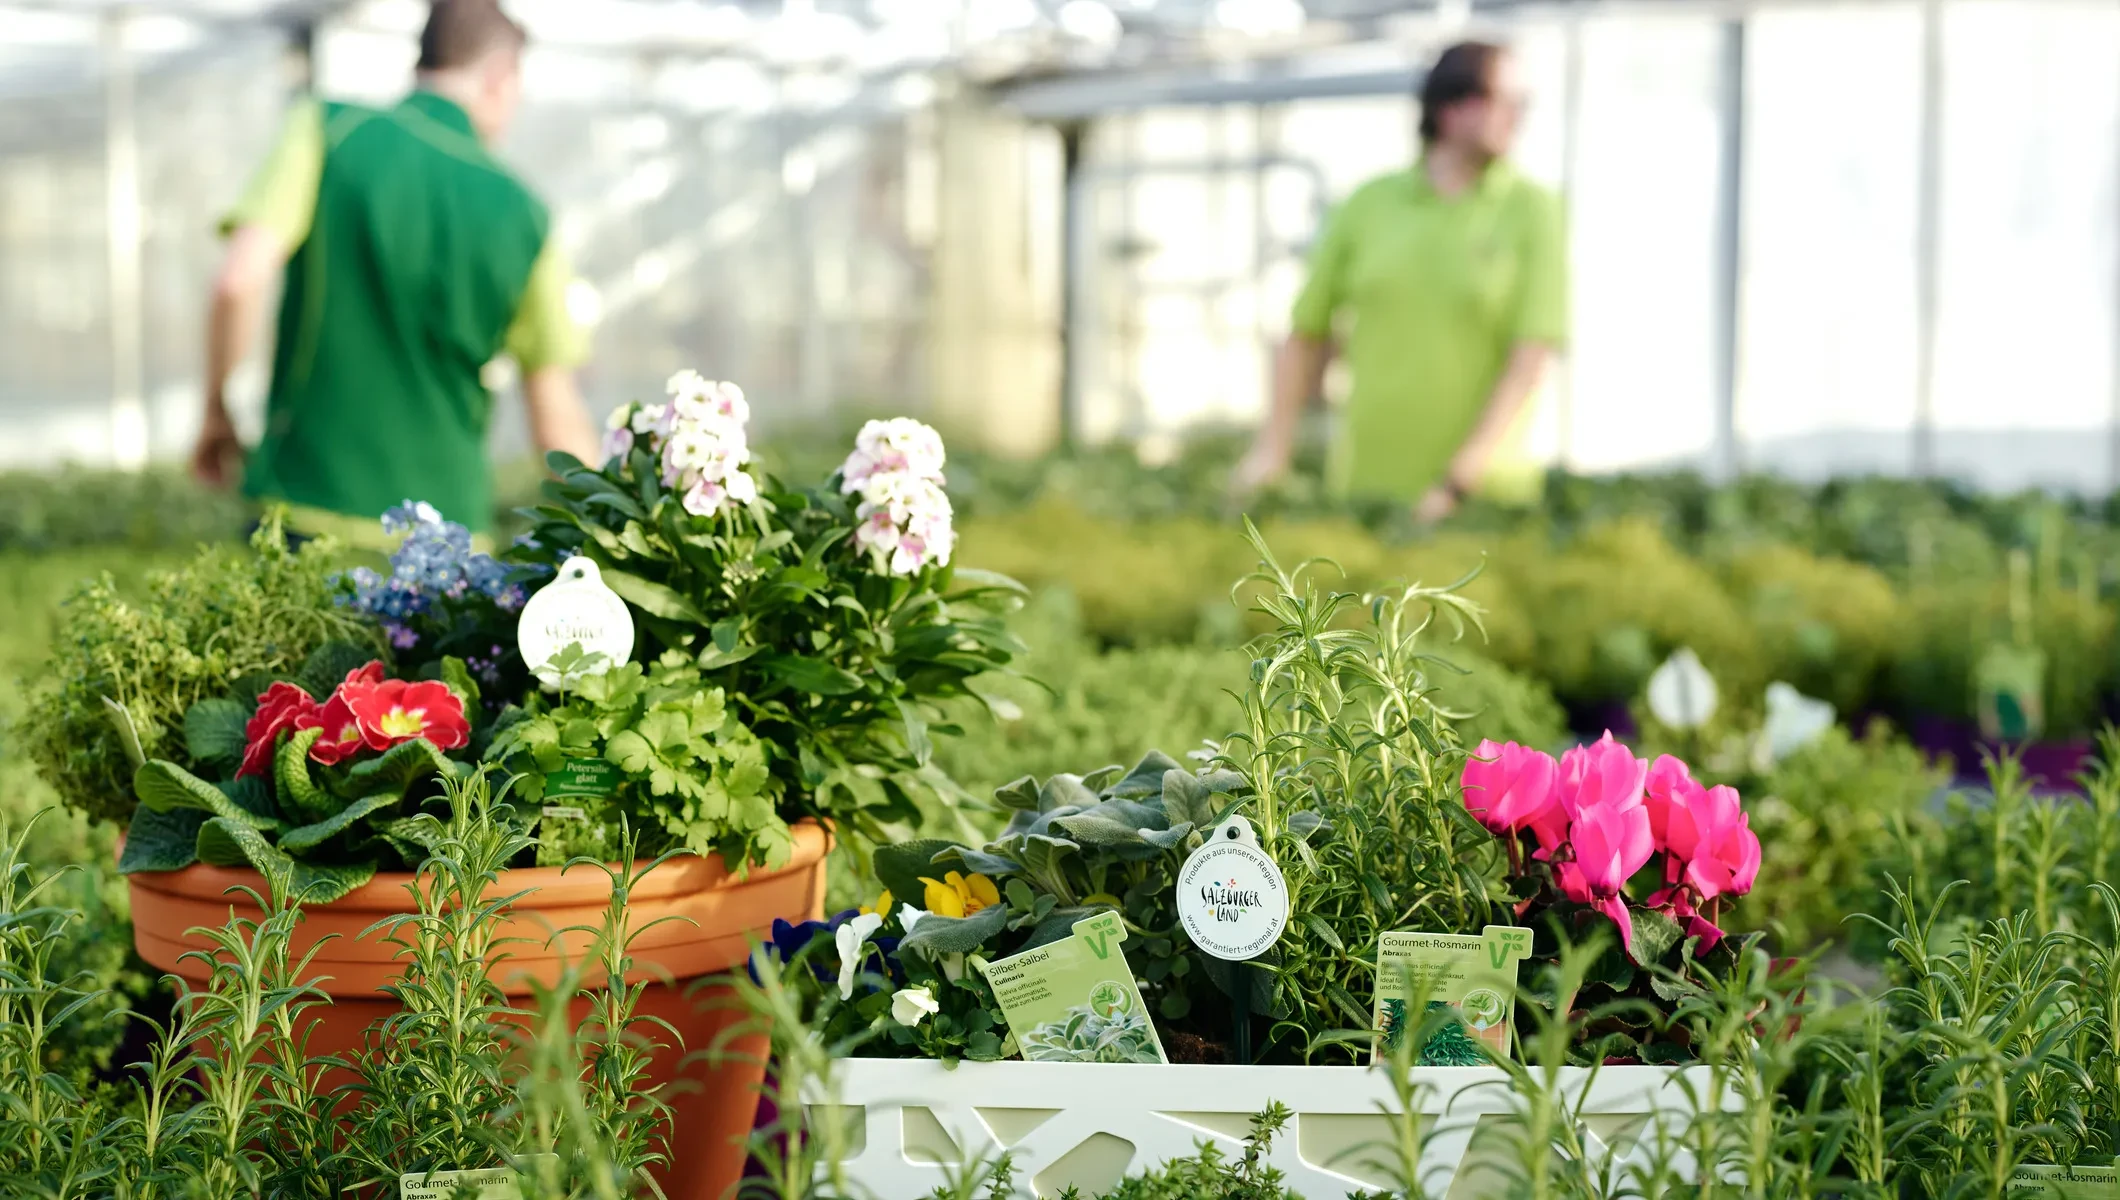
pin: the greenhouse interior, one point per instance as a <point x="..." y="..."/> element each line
<point x="1035" y="599"/>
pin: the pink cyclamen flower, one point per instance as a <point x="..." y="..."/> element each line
<point x="1611" y="842"/>
<point x="1668" y="782"/>
<point x="1678" y="901"/>
<point x="1509" y="788"/>
<point x="1603" y="774"/>
<point x="1712" y="837"/>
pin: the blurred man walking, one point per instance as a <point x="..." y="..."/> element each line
<point x="1449" y="284"/>
<point x="411" y="259"/>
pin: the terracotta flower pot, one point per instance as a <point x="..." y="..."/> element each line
<point x="720" y="917"/>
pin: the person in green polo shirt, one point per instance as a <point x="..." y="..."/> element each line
<point x="411" y="260"/>
<point x="1448" y="284"/>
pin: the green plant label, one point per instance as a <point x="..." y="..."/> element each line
<point x="493" y="1183"/>
<point x="1075" y="1000"/>
<point x="2066" y="1183"/>
<point x="2010" y="686"/>
<point x="1476" y="976"/>
<point x="581" y="778"/>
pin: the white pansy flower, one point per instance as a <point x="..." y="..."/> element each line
<point x="911" y="1006"/>
<point x="850" y="938"/>
<point x="908" y="916"/>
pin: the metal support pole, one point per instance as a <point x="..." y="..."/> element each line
<point x="121" y="204"/>
<point x="1928" y="238"/>
<point x="1571" y="172"/>
<point x="1729" y="249"/>
<point x="1075" y="227"/>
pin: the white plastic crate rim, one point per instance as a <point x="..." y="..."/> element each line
<point x="1092" y="1124"/>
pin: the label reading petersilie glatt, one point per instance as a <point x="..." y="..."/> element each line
<point x="1232" y="899"/>
<point x="1075" y="1000"/>
<point x="1474" y="976"/>
<point x="2066" y="1183"/>
<point x="582" y="778"/>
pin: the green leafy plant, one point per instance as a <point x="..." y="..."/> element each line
<point x="680" y="760"/>
<point x="315" y="797"/>
<point x="126" y="673"/>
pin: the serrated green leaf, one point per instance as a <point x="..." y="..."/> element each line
<point x="165" y="787"/>
<point x="322" y="883"/>
<point x="220" y="843"/>
<point x="309" y="837"/>
<point x="631" y="753"/>
<point x="213" y="731"/>
<point x="300" y="797"/>
<point x="398" y="768"/>
<point x="159" y="841"/>
<point x="1654" y="935"/>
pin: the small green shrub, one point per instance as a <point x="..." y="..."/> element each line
<point x="124" y="672"/>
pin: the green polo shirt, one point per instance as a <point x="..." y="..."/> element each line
<point x="1429" y="295"/>
<point x="415" y="259"/>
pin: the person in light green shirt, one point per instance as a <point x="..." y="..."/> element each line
<point x="1448" y="286"/>
<point x="411" y="259"/>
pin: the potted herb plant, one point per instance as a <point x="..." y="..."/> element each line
<point x="749" y="717"/>
<point x="1382" y="825"/>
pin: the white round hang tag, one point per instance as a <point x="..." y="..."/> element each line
<point x="1232" y="899"/>
<point x="576" y="609"/>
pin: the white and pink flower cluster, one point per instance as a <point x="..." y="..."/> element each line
<point x="700" y="438"/>
<point x="904" y="519"/>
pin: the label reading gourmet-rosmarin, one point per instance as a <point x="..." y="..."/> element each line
<point x="2065" y="1183"/>
<point x="1475" y="976"/>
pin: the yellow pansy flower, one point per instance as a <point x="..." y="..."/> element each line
<point x="882" y="907"/>
<point x="955" y="896"/>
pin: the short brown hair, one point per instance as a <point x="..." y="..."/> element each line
<point x="461" y="32"/>
<point x="1463" y="72"/>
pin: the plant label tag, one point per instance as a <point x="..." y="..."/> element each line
<point x="492" y="1183"/>
<point x="1232" y="899"/>
<point x="1418" y="973"/>
<point x="563" y="812"/>
<point x="1075" y="1000"/>
<point x="574" y="610"/>
<point x="581" y="778"/>
<point x="2065" y="1183"/>
<point x="2009" y="692"/>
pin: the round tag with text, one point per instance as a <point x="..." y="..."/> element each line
<point x="576" y="609"/>
<point x="1232" y="899"/>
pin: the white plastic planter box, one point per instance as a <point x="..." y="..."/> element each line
<point x="1090" y="1125"/>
